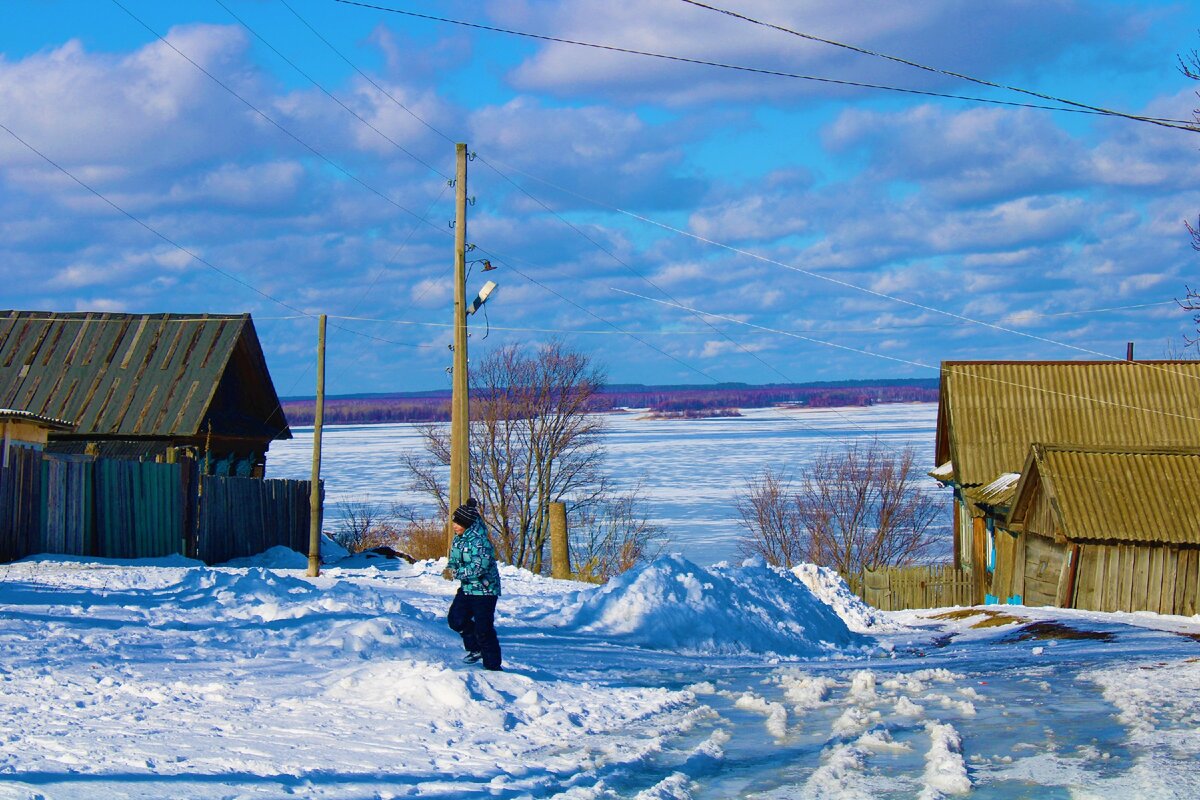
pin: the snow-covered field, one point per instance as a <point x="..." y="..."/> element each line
<point x="689" y="470"/>
<point x="174" y="680"/>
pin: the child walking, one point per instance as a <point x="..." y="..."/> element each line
<point x="473" y="563"/>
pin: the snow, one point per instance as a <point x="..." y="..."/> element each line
<point x="167" y="678"/>
<point x="673" y="604"/>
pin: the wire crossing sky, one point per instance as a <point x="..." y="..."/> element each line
<point x="275" y="158"/>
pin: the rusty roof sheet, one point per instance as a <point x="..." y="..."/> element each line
<point x="119" y="374"/>
<point x="1127" y="494"/>
<point x="991" y="412"/>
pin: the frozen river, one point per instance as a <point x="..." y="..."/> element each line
<point x="690" y="471"/>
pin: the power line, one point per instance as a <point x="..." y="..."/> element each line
<point x="331" y="95"/>
<point x="921" y="364"/>
<point x="119" y="209"/>
<point x="363" y="74"/>
<point x="268" y="118"/>
<point x="1077" y="108"/>
<point x="818" y="276"/>
<point x="519" y="187"/>
<point x="1168" y="123"/>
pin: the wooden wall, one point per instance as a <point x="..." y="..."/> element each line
<point x="1139" y="577"/>
<point x="1043" y="568"/>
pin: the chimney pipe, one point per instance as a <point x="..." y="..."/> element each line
<point x="1129" y="351"/>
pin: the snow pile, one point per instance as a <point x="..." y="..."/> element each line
<point x="673" y="604"/>
<point x="278" y="557"/>
<point x="829" y="587"/>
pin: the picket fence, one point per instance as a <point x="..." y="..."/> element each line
<point x="77" y="505"/>
<point x="926" y="586"/>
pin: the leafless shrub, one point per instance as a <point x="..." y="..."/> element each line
<point x="365" y="525"/>
<point x="613" y="536"/>
<point x="774" y="528"/>
<point x="860" y="506"/>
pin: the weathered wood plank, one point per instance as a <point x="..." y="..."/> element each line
<point x="1154" y="588"/>
<point x="1140" y="578"/>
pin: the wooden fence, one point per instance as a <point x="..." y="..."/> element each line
<point x="900" y="588"/>
<point x="77" y="505"/>
<point x="243" y="516"/>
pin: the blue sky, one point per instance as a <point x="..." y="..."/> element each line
<point x="682" y="223"/>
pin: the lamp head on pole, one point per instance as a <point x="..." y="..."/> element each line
<point x="482" y="297"/>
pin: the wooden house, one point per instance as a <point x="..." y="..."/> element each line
<point x="144" y="386"/>
<point x="990" y="413"/>
<point x="1105" y="529"/>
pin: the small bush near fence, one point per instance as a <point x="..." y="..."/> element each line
<point x="901" y="588"/>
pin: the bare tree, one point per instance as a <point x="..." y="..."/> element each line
<point x="774" y="528"/>
<point x="613" y="536"/>
<point x="853" y="508"/>
<point x="533" y="442"/>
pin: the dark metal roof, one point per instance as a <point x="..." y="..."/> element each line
<point x="133" y="375"/>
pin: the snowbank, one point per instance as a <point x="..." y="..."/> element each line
<point x="673" y="604"/>
<point x="830" y="589"/>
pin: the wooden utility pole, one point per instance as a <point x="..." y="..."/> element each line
<point x="314" y="497"/>
<point x="560" y="554"/>
<point x="460" y="470"/>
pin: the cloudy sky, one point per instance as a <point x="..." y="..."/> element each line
<point x="683" y="223"/>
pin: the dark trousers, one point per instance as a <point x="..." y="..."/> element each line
<point x="473" y="617"/>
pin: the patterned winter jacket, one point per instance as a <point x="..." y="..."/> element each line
<point x="473" y="562"/>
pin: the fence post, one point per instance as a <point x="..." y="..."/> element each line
<point x="560" y="556"/>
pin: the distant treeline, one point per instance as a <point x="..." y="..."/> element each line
<point x="435" y="406"/>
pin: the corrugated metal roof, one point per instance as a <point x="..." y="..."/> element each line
<point x="50" y="422"/>
<point x="998" y="494"/>
<point x="943" y="472"/>
<point x="1130" y="495"/>
<point x="122" y="374"/>
<point x="991" y="412"/>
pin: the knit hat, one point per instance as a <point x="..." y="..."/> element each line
<point x="467" y="514"/>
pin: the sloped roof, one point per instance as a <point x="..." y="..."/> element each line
<point x="997" y="494"/>
<point x="134" y="375"/>
<point x="1122" y="494"/>
<point x="990" y="412"/>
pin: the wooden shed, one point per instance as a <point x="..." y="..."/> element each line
<point x="1106" y="529"/>
<point x="142" y="386"/>
<point x="991" y="412"/>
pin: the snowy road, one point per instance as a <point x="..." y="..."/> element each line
<point x="119" y="681"/>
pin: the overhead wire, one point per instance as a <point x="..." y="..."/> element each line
<point x="736" y="321"/>
<point x="267" y="117"/>
<point x="331" y="95"/>
<point x="164" y="237"/>
<point x="961" y="318"/>
<point x="499" y="172"/>
<point x="819" y="276"/>
<point x="1169" y="123"/>
<point x="1075" y="108"/>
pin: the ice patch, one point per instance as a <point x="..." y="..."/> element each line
<point x="776" y="713"/>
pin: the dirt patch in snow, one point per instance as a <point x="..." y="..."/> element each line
<point x="1056" y="630"/>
